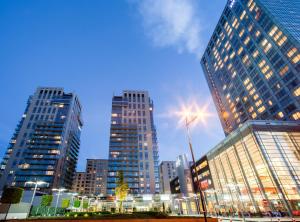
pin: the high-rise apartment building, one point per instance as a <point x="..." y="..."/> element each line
<point x="46" y="142"/>
<point x="167" y="172"/>
<point x="133" y="144"/>
<point x="93" y="181"/>
<point x="252" y="62"/>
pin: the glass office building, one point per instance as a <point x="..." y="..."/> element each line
<point x="133" y="145"/>
<point x="46" y="142"/>
<point x="252" y="62"/>
<point x="256" y="169"/>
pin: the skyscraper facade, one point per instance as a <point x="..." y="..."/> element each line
<point x="46" y="142"/>
<point x="167" y="172"/>
<point x="252" y="62"/>
<point x="133" y="144"/>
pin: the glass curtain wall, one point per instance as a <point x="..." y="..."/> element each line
<point x="256" y="173"/>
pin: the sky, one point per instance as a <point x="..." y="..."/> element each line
<point x="96" y="49"/>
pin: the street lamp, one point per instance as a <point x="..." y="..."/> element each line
<point x="59" y="191"/>
<point x="36" y="184"/>
<point x="194" y="114"/>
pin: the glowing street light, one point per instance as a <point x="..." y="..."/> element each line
<point x="36" y="184"/>
<point x="59" y="191"/>
<point x="188" y="115"/>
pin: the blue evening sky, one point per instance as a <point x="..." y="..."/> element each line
<point x="97" y="48"/>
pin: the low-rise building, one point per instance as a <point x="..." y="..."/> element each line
<point x="255" y="170"/>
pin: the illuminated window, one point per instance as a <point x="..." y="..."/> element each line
<point x="261" y="109"/>
<point x="267" y="48"/>
<point x="252" y="7"/>
<point x="242" y="32"/>
<point x="255" y="54"/>
<point x="257" y="34"/>
<point x="296" y="59"/>
<point x="291" y="52"/>
<point x="265" y="69"/>
<point x="254" y="115"/>
<point x="270" y="102"/>
<point x="249" y="86"/>
<point x="280" y="114"/>
<point x="284" y="70"/>
<point x="269" y="74"/>
<point x="246" y="81"/>
<point x="243" y="15"/>
<point x="272" y="32"/>
<point x="240" y="50"/>
<point x="258" y="103"/>
<point x="297" y="92"/>
<point x="226" y="58"/>
<point x="296" y="116"/>
<point x="232" y="55"/>
<point x="252" y="91"/>
<point x="233" y="74"/>
<point x="281" y="41"/>
<point x="247" y="40"/>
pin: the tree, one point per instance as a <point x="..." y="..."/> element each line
<point x="46" y="200"/>
<point x="85" y="204"/>
<point x="121" y="189"/>
<point x="12" y="195"/>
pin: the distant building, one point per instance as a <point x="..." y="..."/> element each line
<point x="133" y="145"/>
<point x="93" y="181"/>
<point x="183" y="182"/>
<point x="252" y="62"/>
<point x="184" y="175"/>
<point x="46" y="142"/>
<point x="79" y="183"/>
<point x="175" y="186"/>
<point x="167" y="172"/>
<point x="96" y="176"/>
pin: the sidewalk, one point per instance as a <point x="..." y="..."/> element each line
<point x="264" y="219"/>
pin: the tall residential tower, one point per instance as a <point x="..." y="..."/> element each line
<point x="133" y="144"/>
<point x="46" y="142"/>
<point x="252" y="62"/>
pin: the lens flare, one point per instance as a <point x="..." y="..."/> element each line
<point x="191" y="113"/>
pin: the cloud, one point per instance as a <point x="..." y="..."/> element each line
<point x="172" y="23"/>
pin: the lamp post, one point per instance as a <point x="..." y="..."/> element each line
<point x="36" y="184"/>
<point x="187" y="125"/>
<point x="59" y="191"/>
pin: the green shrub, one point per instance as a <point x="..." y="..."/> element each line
<point x="76" y="203"/>
<point x="65" y="203"/>
<point x="12" y="195"/>
<point x="46" y="200"/>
